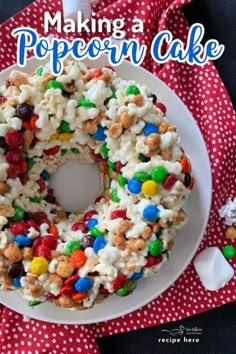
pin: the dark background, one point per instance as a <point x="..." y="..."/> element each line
<point x="218" y="325"/>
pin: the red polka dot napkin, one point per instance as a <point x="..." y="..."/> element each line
<point x="203" y="92"/>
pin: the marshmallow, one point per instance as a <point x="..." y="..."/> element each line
<point x="212" y="268"/>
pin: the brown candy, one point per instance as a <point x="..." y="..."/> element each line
<point x="15" y="270"/>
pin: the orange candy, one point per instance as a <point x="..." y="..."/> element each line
<point x="33" y="121"/>
<point x="78" y="258"/>
<point x="41" y="184"/>
<point x="185" y="165"/>
<point x="96" y="74"/>
<point x="53" y="230"/>
<point x="79" y="296"/>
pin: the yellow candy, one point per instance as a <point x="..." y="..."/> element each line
<point x="54" y="136"/>
<point x="39" y="265"/>
<point x="65" y="136"/>
<point x="150" y="188"/>
<point x="101" y="167"/>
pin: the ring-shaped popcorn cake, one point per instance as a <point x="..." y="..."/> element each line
<point x="75" y="259"/>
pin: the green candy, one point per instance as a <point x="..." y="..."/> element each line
<point x="40" y="71"/>
<point x="30" y="163"/>
<point x="75" y="151"/>
<point x="143" y="158"/>
<point x="86" y="103"/>
<point x="19" y="214"/>
<point x="114" y="196"/>
<point x="132" y="90"/>
<point x="53" y="84"/>
<point x="111" y="164"/>
<point x="123" y="291"/>
<point x="155" y="248"/>
<point x="142" y="176"/>
<point x="35" y="200"/>
<point x="33" y="303"/>
<point x="229" y="251"/>
<point x="104" y="151"/>
<point x="95" y="232"/>
<point x="159" y="174"/>
<point x="65" y="127"/>
<point x="166" y="253"/>
<point x="122" y="181"/>
<point x="63" y="152"/>
<point x="112" y="96"/>
<point x="71" y="246"/>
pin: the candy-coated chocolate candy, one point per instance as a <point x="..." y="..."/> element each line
<point x="83" y="285"/>
<point x="75" y="151"/>
<point x="122" y="181"/>
<point x="43" y="251"/>
<point x="99" y="244"/>
<point x="185" y="165"/>
<point x="169" y="182"/>
<point x="53" y="84"/>
<point x="155" y="247"/>
<point x="24" y="111"/>
<point x="96" y="73"/>
<point x="39" y="265"/>
<point x="30" y="163"/>
<point x="14" y="139"/>
<point x="65" y="127"/>
<point x="24" y="178"/>
<point x="229" y="251"/>
<point x="118" y="167"/>
<point x="95" y="232"/>
<point x="71" y="246"/>
<point x="114" y="196"/>
<point x="67" y="290"/>
<point x="19" y="228"/>
<point x="14" y="170"/>
<point x="16" y="282"/>
<point x="79" y="296"/>
<point x="143" y="158"/>
<point x="52" y="151"/>
<point x="63" y="152"/>
<point x="19" y="214"/>
<point x="104" y="151"/>
<point x="46" y="175"/>
<point x="187" y="180"/>
<point x="119" y="282"/>
<point x="87" y="241"/>
<point x="71" y="280"/>
<point x="150" y="189"/>
<point x="15" y="270"/>
<point x="86" y="103"/>
<point x="89" y="214"/>
<point x="33" y="121"/>
<point x="142" y="176"/>
<point x="14" y="156"/>
<point x="150" y="129"/>
<point x="36" y="200"/>
<point x="111" y="164"/>
<point x="159" y="174"/>
<point x="137" y="276"/>
<point x="134" y="186"/>
<point x="103" y="291"/>
<point x="100" y="135"/>
<point x="154" y="98"/>
<point x="132" y="90"/>
<point x="80" y="225"/>
<point x="52" y="297"/>
<point x="65" y="136"/>
<point x="39" y="71"/>
<point x="123" y="291"/>
<point x="151" y="213"/>
<point x="32" y="223"/>
<point x="161" y="106"/>
<point x="22" y="240"/>
<point x="78" y="258"/>
<point x="116" y="214"/>
<point x="33" y="303"/>
<point x="49" y="240"/>
<point x="91" y="223"/>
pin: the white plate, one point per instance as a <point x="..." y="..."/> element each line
<point x="187" y="240"/>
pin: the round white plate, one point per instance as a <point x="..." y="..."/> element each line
<point x="187" y="240"/>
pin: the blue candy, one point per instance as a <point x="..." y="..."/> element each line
<point x="83" y="285"/>
<point x="137" y="276"/>
<point x="46" y="175"/>
<point x="151" y="213"/>
<point x="22" y="240"/>
<point x="16" y="282"/>
<point x="150" y="128"/>
<point x="159" y="232"/>
<point x="100" y="135"/>
<point x="99" y="243"/>
<point x="134" y="186"/>
<point x="91" y="223"/>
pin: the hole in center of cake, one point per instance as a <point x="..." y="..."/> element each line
<point x="76" y="186"/>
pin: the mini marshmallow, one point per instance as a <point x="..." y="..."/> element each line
<point x="212" y="268"/>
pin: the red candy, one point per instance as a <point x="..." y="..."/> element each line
<point x="80" y="225"/>
<point x="43" y="251"/>
<point x="89" y="215"/>
<point x="161" y="106"/>
<point x="32" y="223"/>
<point x="50" y="241"/>
<point x="14" y="170"/>
<point x="118" y="167"/>
<point x="40" y="215"/>
<point x="116" y="214"/>
<point x="14" y="156"/>
<point x="71" y="280"/>
<point x="52" y="151"/>
<point x="36" y="242"/>
<point x="24" y="178"/>
<point x="151" y="260"/>
<point x="23" y="165"/>
<point x="19" y="228"/>
<point x="44" y="221"/>
<point x="67" y="290"/>
<point x="169" y="182"/>
<point x="14" y="139"/>
<point x="51" y="296"/>
<point x="103" y="291"/>
<point x="119" y="282"/>
<point x="98" y="199"/>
